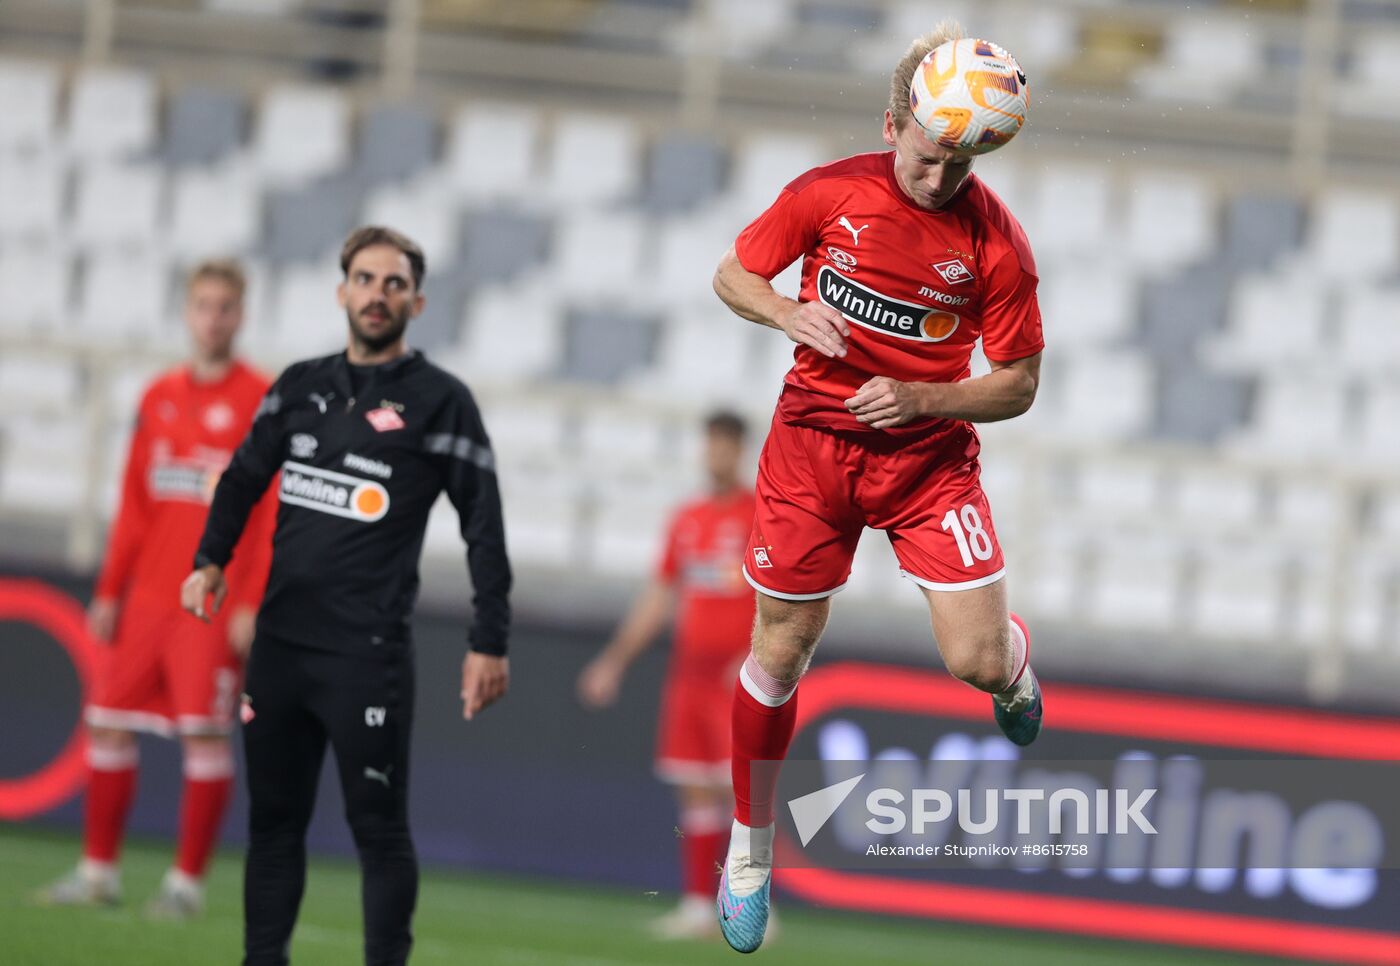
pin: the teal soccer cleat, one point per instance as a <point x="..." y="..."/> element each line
<point x="1022" y="727"/>
<point x="743" y="921"/>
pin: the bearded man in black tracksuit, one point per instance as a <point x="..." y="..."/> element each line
<point x="365" y="441"/>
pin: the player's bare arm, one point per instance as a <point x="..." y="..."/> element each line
<point x="485" y="680"/>
<point x="1004" y="393"/>
<point x="752" y="297"/>
<point x="199" y="587"/>
<point x="601" y="679"/>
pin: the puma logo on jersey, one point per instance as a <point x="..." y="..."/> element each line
<point x="855" y="232"/>
<point x="375" y="775"/>
<point x="321" y="400"/>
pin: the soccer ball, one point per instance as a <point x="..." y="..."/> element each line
<point x="969" y="96"/>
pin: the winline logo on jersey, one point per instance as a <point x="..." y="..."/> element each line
<point x="869" y="308"/>
<point x="338" y="494"/>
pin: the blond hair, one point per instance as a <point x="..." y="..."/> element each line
<point x="903" y="74"/>
<point x="226" y="270"/>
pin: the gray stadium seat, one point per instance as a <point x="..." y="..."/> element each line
<point x="498" y="244"/>
<point x="442" y="314"/>
<point x="1198" y="406"/>
<point x="683" y="171"/>
<point x="396" y="142"/>
<point x="1178" y="311"/>
<point x="305" y="223"/>
<point x="204" y="124"/>
<point x="1259" y="228"/>
<point x="603" y="345"/>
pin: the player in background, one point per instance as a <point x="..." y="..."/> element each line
<point x="166" y="672"/>
<point x="700" y="580"/>
<point x="907" y="259"/>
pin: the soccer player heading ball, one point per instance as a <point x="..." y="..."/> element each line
<point x="907" y="259"/>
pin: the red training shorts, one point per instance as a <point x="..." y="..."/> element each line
<point x="818" y="489"/>
<point x="692" y="746"/>
<point x="167" y="672"/>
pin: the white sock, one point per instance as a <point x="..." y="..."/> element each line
<point x="750" y="858"/>
<point x="1019" y="696"/>
<point x="183" y="882"/>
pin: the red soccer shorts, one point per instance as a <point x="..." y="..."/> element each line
<point x="817" y="490"/>
<point x="168" y="673"/>
<point x="693" y="747"/>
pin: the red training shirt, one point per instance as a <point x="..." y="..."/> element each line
<point x="919" y="287"/>
<point x="703" y="559"/>
<point x="186" y="432"/>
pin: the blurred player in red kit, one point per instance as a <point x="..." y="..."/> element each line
<point x="907" y="260"/>
<point x="166" y="672"/>
<point x="700" y="579"/>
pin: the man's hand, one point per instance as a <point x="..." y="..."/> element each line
<point x="884" y="402"/>
<point x="599" y="682"/>
<point x="485" y="679"/>
<point x="817" y="325"/>
<point x="242" y="625"/>
<point x="102" y="619"/>
<point x="199" y="586"/>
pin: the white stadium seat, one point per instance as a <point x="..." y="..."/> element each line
<point x="542" y="519"/>
<point x="124" y="298"/>
<point x="492" y="151"/>
<point x="720" y="338"/>
<point x="610" y="439"/>
<point x="306" y="319"/>
<point x="1109" y="490"/>
<point x="1137" y="581"/>
<point x="417" y="211"/>
<point x="593" y="159"/>
<point x="626" y="531"/>
<point x="31" y="196"/>
<point x="1310" y="507"/>
<point x="111" y="114"/>
<point x="685" y="255"/>
<point x="1072" y="211"/>
<point x="1354" y="235"/>
<point x="599" y="253"/>
<point x="1124" y="376"/>
<point x="39" y="383"/>
<point x="1273" y="319"/>
<point x="1206" y="59"/>
<point x="510" y="334"/>
<point x="1089" y="302"/>
<point x="1369" y="341"/>
<point x="214" y="213"/>
<point x="43" y="464"/>
<point x="1296" y="418"/>
<point x="37" y="282"/>
<point x="118" y="205"/>
<point x="1171" y="222"/>
<point x="28" y="105"/>
<point x="1240" y="593"/>
<point x="764" y="163"/>
<point x="525" y="430"/>
<point x="1378" y="429"/>
<point x="1210" y="498"/>
<point x="875" y="573"/>
<point x="1368" y="89"/>
<point x="301" y="134"/>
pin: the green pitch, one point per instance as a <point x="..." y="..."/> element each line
<point x="480" y="919"/>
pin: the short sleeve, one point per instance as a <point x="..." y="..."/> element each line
<point x="782" y="234"/>
<point x="1010" y="312"/>
<point x="668" y="567"/>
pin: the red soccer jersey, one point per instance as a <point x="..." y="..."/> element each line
<point x="919" y="287"/>
<point x="186" y="432"/>
<point x="703" y="559"/>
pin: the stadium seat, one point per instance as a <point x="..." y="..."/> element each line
<point x="1210" y="499"/>
<point x="28" y="105"/>
<point x="1196" y="406"/>
<point x="1368" y="88"/>
<point x="626" y="531"/>
<point x="1341" y="219"/>
<point x="37" y="283"/>
<point x="306" y="223"/>
<point x="611" y="172"/>
<point x="1308" y="506"/>
<point x="720" y="338"/>
<point x="396" y="143"/>
<point x="493" y="151"/>
<point x="1053" y="573"/>
<point x="1273" y="320"/>
<point x="301" y="134"/>
<point x="1369" y="339"/>
<point x="1181" y="309"/>
<point x="875" y="576"/>
<point x="1171" y="222"/>
<point x="1137" y="581"/>
<point x="204" y="125"/>
<point x="1205" y="60"/>
<point x="684" y="170"/>
<point x="542" y="519"/>
<point x="31" y="196"/>
<point x="118" y="205"/>
<point x="526" y="430"/>
<point x="1109" y="490"/>
<point x="1296" y="418"/>
<point x="607" y="344"/>
<point x="742" y="27"/>
<point x="416" y="209"/>
<point x="306" y="319"/>
<point x="764" y="163"/>
<point x="1089" y="380"/>
<point x="618" y="439"/>
<point x="1239" y="593"/>
<point x="501" y="243"/>
<point x="215" y="212"/>
<point x="43" y="464"/>
<point x="1072" y="211"/>
<point x="599" y="253"/>
<point x="124" y="298"/>
<point x="1259" y="229"/>
<point x="1368" y="589"/>
<point x="111" y="114"/>
<point x="510" y="334"/>
<point x="1377" y="433"/>
<point x="1089" y="302"/>
<point x="39" y="383"/>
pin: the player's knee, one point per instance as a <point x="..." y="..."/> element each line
<point x="111" y="739"/>
<point x="786" y="633"/>
<point x="982" y="661"/>
<point x="207" y="758"/>
<point x="381" y="837"/>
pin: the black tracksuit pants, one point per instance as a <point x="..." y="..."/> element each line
<point x="300" y="698"/>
